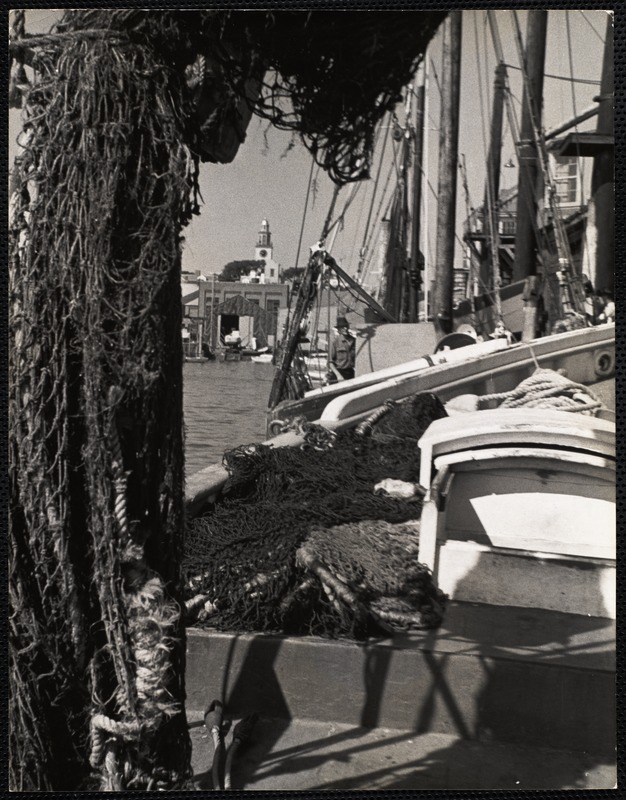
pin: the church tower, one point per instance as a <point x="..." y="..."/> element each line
<point x="264" y="249"/>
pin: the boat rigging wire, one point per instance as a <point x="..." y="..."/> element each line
<point x="395" y="147"/>
<point x="490" y="210"/>
<point x="517" y="134"/>
<point x="580" y="162"/>
<point x="369" y="216"/>
<point x="468" y="211"/>
<point x="360" y="215"/>
<point x="346" y="289"/>
<point x="572" y="80"/>
<point x="378" y="218"/>
<point x="329" y="216"/>
<point x="306" y="203"/>
<point x="337" y="222"/>
<point x="393" y="167"/>
<point x="597" y="33"/>
<point x="434" y="68"/>
<point x="512" y="117"/>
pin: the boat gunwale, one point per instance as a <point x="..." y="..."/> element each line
<point x="205" y="486"/>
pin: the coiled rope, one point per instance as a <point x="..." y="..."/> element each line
<point x="546" y="388"/>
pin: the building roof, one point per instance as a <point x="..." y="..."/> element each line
<point x="583" y="143"/>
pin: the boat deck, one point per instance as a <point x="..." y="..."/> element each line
<point x="499" y="697"/>
<point x="300" y="754"/>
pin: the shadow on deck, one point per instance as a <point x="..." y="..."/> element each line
<point x="497" y="698"/>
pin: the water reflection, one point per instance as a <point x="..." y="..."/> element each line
<point x="224" y="406"/>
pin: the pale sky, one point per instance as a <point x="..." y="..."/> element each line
<point x="266" y="181"/>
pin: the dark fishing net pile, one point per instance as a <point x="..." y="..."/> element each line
<point x="302" y="543"/>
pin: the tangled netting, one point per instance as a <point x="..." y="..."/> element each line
<point x="329" y="76"/>
<point x="303" y="544"/>
<point x="101" y="192"/>
<point x="122" y="107"/>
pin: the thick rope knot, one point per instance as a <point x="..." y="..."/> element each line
<point x="103" y="729"/>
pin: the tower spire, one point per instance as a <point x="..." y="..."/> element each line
<point x="265" y="237"/>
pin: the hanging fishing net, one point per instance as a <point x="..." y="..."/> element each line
<point x="102" y="191"/>
<point x="328" y="76"/>
<point x="305" y="541"/>
<point x="119" y="107"/>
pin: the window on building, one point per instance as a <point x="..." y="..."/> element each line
<point x="507" y="226"/>
<point x="566" y="179"/>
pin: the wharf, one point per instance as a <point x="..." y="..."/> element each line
<point x="302" y="755"/>
<point x="498" y="698"/>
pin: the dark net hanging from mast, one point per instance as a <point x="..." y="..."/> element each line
<point x="329" y="76"/>
<point x="347" y="71"/>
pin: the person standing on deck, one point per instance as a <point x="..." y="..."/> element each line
<point x="343" y="351"/>
<point x="608" y="312"/>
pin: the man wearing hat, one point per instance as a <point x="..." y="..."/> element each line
<point x="343" y="351"/>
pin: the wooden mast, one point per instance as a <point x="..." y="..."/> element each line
<point x="415" y="264"/>
<point x="448" y="147"/>
<point x="525" y="263"/>
<point x="526" y="220"/>
<point x="490" y="262"/>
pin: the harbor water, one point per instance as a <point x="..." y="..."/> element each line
<point x="224" y="405"/>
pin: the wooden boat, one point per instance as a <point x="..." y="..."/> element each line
<point x="496" y="530"/>
<point x="518" y="528"/>
<point x="587" y="355"/>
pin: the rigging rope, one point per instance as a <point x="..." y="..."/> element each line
<point x="512" y="117"/>
<point x="369" y="215"/>
<point x="571" y="79"/>
<point x="492" y="202"/>
<point x="329" y="215"/>
<point x="306" y="203"/>
<point x="580" y="162"/>
<point x="599" y="35"/>
<point x="549" y="289"/>
<point x="335" y="226"/>
<point x="570" y="289"/>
